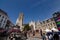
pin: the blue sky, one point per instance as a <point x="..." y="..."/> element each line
<point x="32" y="9"/>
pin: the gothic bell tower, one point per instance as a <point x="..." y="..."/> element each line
<point x="19" y="21"/>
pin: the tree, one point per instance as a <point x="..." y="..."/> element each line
<point x="27" y="27"/>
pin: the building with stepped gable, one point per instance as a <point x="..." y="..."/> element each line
<point x="32" y="25"/>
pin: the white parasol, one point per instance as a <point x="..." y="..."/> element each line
<point x="54" y="29"/>
<point x="47" y="30"/>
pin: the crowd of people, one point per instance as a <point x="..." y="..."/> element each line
<point x="50" y="37"/>
<point x="53" y="36"/>
<point x="44" y="36"/>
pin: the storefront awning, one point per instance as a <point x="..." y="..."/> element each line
<point x="14" y="30"/>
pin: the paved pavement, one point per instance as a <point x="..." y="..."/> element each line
<point x="34" y="39"/>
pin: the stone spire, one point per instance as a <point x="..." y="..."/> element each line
<point x="19" y="21"/>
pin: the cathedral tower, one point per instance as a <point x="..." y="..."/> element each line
<point x="19" y="21"/>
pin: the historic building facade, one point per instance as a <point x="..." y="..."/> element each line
<point x="4" y="19"/>
<point x="48" y="24"/>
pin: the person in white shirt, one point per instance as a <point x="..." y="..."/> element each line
<point x="50" y="37"/>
